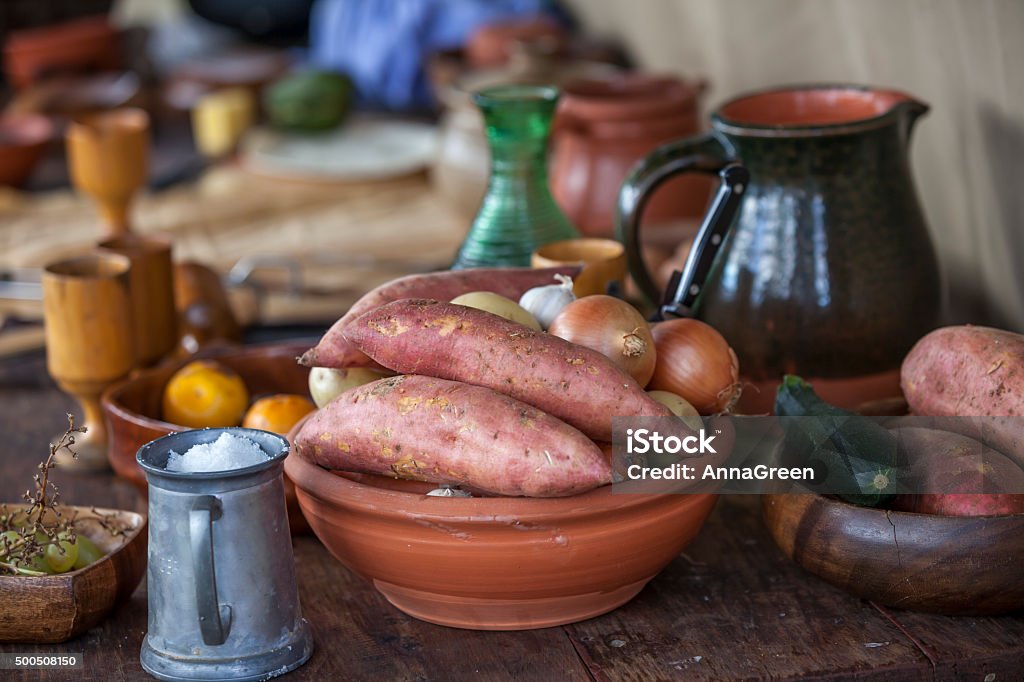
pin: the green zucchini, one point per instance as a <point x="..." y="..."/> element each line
<point x="853" y="456"/>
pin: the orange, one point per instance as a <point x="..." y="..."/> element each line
<point x="278" y="413"/>
<point x="204" y="393"/>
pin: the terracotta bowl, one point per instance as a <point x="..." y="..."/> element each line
<point x="132" y="407"/>
<point x="23" y="139"/>
<point x="951" y="565"/>
<point x="495" y="563"/>
<point x="56" y="608"/>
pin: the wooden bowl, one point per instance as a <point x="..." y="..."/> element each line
<point x="56" y="608"/>
<point x="23" y="139"/>
<point x="495" y="563"/>
<point x="952" y="565"/>
<point x="133" y="406"/>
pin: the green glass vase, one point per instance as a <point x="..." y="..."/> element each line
<point x="518" y="213"/>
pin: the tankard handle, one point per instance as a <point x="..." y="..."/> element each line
<point x="214" y="617"/>
<point x="703" y="154"/>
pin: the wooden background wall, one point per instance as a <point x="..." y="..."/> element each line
<point x="963" y="57"/>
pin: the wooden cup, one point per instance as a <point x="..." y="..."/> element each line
<point x="220" y="118"/>
<point x="603" y="262"/>
<point x="87" y="313"/>
<point x="154" y="315"/>
<point x="108" y="158"/>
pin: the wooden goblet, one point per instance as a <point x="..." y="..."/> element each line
<point x="88" y="320"/>
<point x="154" y="316"/>
<point x="108" y="157"/>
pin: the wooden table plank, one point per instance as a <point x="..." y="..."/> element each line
<point x="967" y="648"/>
<point x="361" y="637"/>
<point x="733" y="607"/>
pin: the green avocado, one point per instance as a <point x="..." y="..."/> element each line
<point x="308" y="101"/>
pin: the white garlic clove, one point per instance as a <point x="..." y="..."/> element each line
<point x="545" y="302"/>
<point x="448" y="491"/>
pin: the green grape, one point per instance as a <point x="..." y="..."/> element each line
<point x="11" y="536"/>
<point x="88" y="552"/>
<point x="36" y="563"/>
<point x="61" y="556"/>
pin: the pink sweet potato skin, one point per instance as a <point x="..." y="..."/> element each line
<point x="334" y="351"/>
<point x="578" y="385"/>
<point x="958" y="476"/>
<point x="970" y="371"/>
<point x="428" y="429"/>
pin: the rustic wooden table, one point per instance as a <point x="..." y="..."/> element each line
<point x="731" y="607"/>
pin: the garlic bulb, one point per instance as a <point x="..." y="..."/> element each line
<point x="545" y="302"/>
<point x="448" y="491"/>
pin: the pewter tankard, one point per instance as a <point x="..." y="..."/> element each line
<point x="223" y="602"/>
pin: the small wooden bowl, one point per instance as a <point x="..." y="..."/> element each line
<point x="952" y="565"/>
<point x="56" y="608"/>
<point x="603" y="262"/>
<point x="495" y="563"/>
<point x="133" y="406"/>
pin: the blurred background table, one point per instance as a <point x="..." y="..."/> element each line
<point x="731" y="607"/>
<point x="344" y="238"/>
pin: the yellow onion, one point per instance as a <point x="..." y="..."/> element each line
<point x="613" y="328"/>
<point x="696" y="363"/>
<point x="326" y="384"/>
<point x="680" y="408"/>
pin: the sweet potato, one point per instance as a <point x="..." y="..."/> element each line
<point x="429" y="429"/>
<point x="958" y="476"/>
<point x="578" y="385"/>
<point x="334" y="351"/>
<point x="971" y="371"/>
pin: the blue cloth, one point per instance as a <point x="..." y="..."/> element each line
<point x="383" y="44"/>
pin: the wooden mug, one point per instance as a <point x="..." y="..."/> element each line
<point x="155" y="324"/>
<point x="108" y="158"/>
<point x="87" y="314"/>
<point x="220" y="118"/>
<point x="603" y="262"/>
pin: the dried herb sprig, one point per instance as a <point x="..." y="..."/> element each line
<point x="26" y="533"/>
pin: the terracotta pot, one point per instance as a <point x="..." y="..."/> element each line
<point x="495" y="563"/>
<point x="23" y="139"/>
<point x="80" y="46"/>
<point x="603" y="128"/>
<point x="493" y="44"/>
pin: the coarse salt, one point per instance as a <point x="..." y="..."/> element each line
<point x="224" y="454"/>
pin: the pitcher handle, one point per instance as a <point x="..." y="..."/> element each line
<point x="214" y="617"/>
<point x="703" y="154"/>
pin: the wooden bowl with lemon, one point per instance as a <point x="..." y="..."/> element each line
<point x="259" y="387"/>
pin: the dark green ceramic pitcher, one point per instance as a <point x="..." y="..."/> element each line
<point x="828" y="270"/>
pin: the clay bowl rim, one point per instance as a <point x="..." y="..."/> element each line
<point x="630" y="97"/>
<point x="109" y="400"/>
<point x="339" y="491"/>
